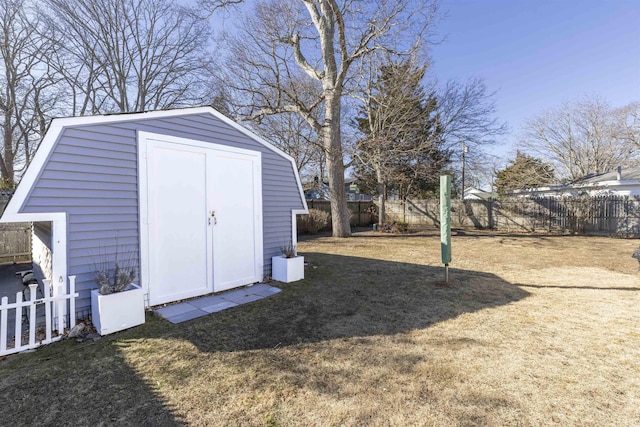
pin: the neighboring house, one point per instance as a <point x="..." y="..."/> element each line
<point x="620" y="182"/>
<point x="318" y="192"/>
<point x="321" y="192"/>
<point x="353" y="191"/>
<point x="200" y="201"/>
<point x="472" y="193"/>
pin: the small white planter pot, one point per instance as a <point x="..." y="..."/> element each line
<point x="287" y="269"/>
<point x="115" y="312"/>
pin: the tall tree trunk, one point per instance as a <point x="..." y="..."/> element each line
<point x="6" y="166"/>
<point x="335" y="168"/>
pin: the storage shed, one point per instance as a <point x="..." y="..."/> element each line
<point x="199" y="201"/>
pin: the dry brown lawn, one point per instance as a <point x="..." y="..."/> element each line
<point x="531" y="331"/>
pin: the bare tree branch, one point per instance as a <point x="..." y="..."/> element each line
<point x="323" y="38"/>
<point x="26" y="86"/>
<point x="130" y="55"/>
<point x="584" y="137"/>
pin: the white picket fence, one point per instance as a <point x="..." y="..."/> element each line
<point x="55" y="304"/>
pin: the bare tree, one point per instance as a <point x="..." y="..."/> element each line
<point x="285" y="47"/>
<point x="291" y="133"/>
<point x="466" y="119"/>
<point x="584" y="137"/>
<point x="628" y="118"/>
<point x="482" y="169"/>
<point x="129" y="55"/>
<point x="26" y="95"/>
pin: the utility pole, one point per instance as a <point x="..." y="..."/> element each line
<point x="465" y="149"/>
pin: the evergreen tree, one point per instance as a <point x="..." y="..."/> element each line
<point x="401" y="148"/>
<point x="524" y="172"/>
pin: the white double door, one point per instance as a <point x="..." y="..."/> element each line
<point x="201" y="217"/>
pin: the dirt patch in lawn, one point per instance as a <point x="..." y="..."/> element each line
<point x="531" y="331"/>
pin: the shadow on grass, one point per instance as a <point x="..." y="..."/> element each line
<point x="123" y="379"/>
<point x="67" y="383"/>
<point x="344" y="296"/>
<point x="428" y="231"/>
<point x="89" y="383"/>
<point x="594" y="288"/>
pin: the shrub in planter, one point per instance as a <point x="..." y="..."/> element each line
<point x="118" y="303"/>
<point x="117" y="311"/>
<point x="115" y="280"/>
<point x="289" y="267"/>
<point x="114" y="273"/>
<point x="289" y="250"/>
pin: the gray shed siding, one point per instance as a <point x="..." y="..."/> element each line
<point x="91" y="174"/>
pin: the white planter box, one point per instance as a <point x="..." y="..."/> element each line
<point x="287" y="269"/>
<point x="115" y="312"/>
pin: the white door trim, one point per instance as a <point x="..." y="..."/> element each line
<point x="224" y="244"/>
<point x="145" y="139"/>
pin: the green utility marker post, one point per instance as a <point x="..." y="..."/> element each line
<point x="445" y="223"/>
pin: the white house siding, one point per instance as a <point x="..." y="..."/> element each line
<point x="91" y="175"/>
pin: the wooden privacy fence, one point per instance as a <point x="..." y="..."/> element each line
<point x="15" y="242"/>
<point x="15" y="238"/>
<point x="361" y="213"/>
<point x="601" y="215"/>
<point x="29" y="311"/>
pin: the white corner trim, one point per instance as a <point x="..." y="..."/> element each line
<point x="33" y="170"/>
<point x="294" y="223"/>
<point x="143" y="216"/>
<point x="258" y="218"/>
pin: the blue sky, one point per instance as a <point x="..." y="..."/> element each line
<point x="538" y="54"/>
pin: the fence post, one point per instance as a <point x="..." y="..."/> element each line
<point x="72" y="302"/>
<point x="626" y="216"/>
<point x="63" y="308"/>
<point x="3" y="323"/>
<point x="32" y="314"/>
<point x="47" y="309"/>
<point x="490" y="214"/>
<point x="18" y="335"/>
